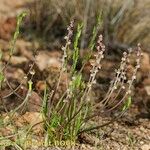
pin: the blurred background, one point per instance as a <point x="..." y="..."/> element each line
<point x="123" y="23"/>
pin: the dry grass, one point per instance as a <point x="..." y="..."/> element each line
<point x="135" y="25"/>
<point x="125" y="22"/>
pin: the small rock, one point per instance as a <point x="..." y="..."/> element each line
<point x="40" y="86"/>
<point x="15" y="74"/>
<point x="146" y="81"/>
<point x="141" y="142"/>
<point x="145" y="147"/>
<point x="45" y="60"/>
<point x="16" y="60"/>
<point x="7" y="28"/>
<point x="147" y="88"/>
<point x="89" y="139"/>
<point x="145" y="64"/>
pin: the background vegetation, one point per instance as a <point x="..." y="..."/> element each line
<point x="124" y="22"/>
